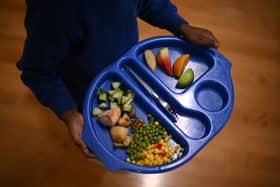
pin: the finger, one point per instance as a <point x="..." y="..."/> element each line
<point x="207" y="41"/>
<point x="203" y="40"/>
<point x="215" y="41"/>
<point x="77" y="140"/>
<point x="84" y="148"/>
<point x="87" y="153"/>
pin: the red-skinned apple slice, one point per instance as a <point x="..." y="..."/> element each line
<point x="164" y="60"/>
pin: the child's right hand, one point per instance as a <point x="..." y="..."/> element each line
<point x="75" y="124"/>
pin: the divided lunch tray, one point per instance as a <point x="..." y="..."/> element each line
<point x="204" y="107"/>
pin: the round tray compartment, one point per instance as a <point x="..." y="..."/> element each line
<point x="211" y="96"/>
<point x="194" y="125"/>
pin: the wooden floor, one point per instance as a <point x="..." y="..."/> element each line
<point x="36" y="149"/>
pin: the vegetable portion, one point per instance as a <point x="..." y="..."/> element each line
<point x="137" y="123"/>
<point x="146" y="143"/>
<point x="103" y="105"/>
<point x="116" y="85"/>
<point x="125" y="143"/>
<point x="115" y="97"/>
<point x="119" y="133"/>
<point x="150" y="145"/>
<point x="116" y="118"/>
<point x="96" y="111"/>
<point x="102" y="95"/>
<point x="125" y="120"/>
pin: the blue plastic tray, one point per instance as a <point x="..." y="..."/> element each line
<point x="204" y="107"/>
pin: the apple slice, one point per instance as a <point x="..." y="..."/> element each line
<point x="150" y="59"/>
<point x="164" y="60"/>
<point x="179" y="65"/>
<point x="185" y="79"/>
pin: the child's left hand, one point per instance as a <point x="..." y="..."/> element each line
<point x="199" y="36"/>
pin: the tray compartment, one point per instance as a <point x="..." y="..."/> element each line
<point x="142" y="109"/>
<point x="211" y="96"/>
<point x="195" y="125"/>
<point x="199" y="61"/>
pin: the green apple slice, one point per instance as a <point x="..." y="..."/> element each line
<point x="185" y="79"/>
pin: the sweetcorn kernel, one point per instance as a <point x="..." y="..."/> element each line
<point x="156" y="151"/>
<point x="179" y="155"/>
<point x="165" y="159"/>
<point x="149" y="156"/>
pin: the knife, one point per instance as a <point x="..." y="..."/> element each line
<point x="165" y="105"/>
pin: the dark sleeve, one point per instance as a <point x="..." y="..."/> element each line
<point x="46" y="45"/>
<point x="160" y="13"/>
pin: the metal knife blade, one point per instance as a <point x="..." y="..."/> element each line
<point x="156" y="98"/>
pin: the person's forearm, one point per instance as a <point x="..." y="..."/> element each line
<point x="161" y="13"/>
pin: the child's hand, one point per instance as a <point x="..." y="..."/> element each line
<point x="75" y="123"/>
<point x="199" y="36"/>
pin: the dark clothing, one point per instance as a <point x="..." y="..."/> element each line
<point x="68" y="42"/>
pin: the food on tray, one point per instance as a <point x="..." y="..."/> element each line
<point x="150" y="145"/>
<point x="157" y="154"/>
<point x="120" y="114"/>
<point x="136" y="124"/>
<point x="150" y="59"/>
<point x="119" y="134"/>
<point x="113" y="104"/>
<point x="125" y="120"/>
<point x="110" y="117"/>
<point x="185" y="79"/>
<point x="116" y="85"/>
<point x="116" y="94"/>
<point x="96" y="111"/>
<point x="103" y="105"/>
<point x="102" y="95"/>
<point x="179" y="65"/>
<point x="125" y="143"/>
<point x="164" y="60"/>
<point x="116" y="97"/>
<point x="132" y="113"/>
<point x="127" y="107"/>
